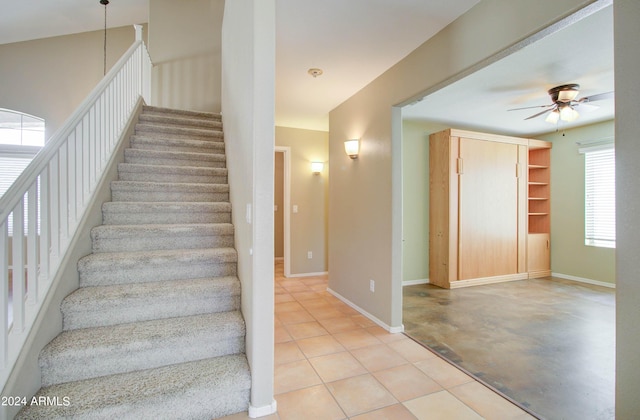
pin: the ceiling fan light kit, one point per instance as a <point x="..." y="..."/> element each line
<point x="564" y="103"/>
<point x="564" y="93"/>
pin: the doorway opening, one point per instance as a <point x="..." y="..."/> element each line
<point x="282" y="194"/>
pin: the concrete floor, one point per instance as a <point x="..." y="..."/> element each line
<point x="547" y="344"/>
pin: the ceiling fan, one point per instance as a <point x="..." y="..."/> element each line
<point x="564" y="105"/>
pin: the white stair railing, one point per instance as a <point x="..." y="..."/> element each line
<point x="55" y="188"/>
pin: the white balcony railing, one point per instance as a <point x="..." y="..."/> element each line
<point x="55" y="188"/>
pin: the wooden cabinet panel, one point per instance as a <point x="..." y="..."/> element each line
<point x="539" y="209"/>
<point x="538" y="255"/>
<point x="443" y="205"/>
<point x="483" y="204"/>
<point x="488" y="209"/>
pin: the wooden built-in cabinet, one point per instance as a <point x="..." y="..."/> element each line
<point x="479" y="208"/>
<point x="539" y="213"/>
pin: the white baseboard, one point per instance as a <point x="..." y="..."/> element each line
<point x="389" y="328"/>
<point x="584" y="280"/>
<point x="414" y="282"/>
<point x="320" y="273"/>
<point x="265" y="410"/>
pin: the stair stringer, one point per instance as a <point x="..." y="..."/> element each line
<point x="25" y="379"/>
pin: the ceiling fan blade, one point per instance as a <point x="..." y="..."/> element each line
<point x="598" y="97"/>
<point x="538" y="114"/>
<point x="582" y="107"/>
<point x="531" y="107"/>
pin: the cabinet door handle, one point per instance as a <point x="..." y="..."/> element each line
<point x="460" y="166"/>
<point x="547" y="244"/>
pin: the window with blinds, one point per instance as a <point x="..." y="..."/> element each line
<point x="10" y="169"/>
<point x="21" y="137"/>
<point x="600" y="198"/>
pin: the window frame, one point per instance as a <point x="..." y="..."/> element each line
<point x="599" y="187"/>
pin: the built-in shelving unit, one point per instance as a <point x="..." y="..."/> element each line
<point x="539" y="208"/>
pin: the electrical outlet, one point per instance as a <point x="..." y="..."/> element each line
<point x="372" y="286"/>
<point x="309" y="255"/>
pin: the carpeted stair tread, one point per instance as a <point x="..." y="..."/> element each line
<point x="118" y="238"/>
<point x="167" y="173"/>
<point x="154" y="110"/>
<point x="177" y="145"/>
<point x="181" y="120"/>
<point x="160" y="230"/>
<point x="163" y="157"/>
<point x="106" y="268"/>
<point x="136" y="212"/>
<point x="184" y="391"/>
<point x="167" y="186"/>
<point x="179" y="170"/>
<point x="178" y="132"/>
<point x="100" y="351"/>
<point x="168" y="191"/>
<point x="118" y="304"/>
<point x="200" y="390"/>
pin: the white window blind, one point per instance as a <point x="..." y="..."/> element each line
<point x="10" y="169"/>
<point x="600" y="198"/>
<point x="21" y="137"/>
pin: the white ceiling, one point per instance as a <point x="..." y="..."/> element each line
<point x="354" y="41"/>
<point x="581" y="53"/>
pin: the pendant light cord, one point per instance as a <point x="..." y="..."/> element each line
<point x="105" y="2"/>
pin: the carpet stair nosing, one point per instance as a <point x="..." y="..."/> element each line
<point x="171" y="155"/>
<point x="155" y="110"/>
<point x="166" y="173"/>
<point x="169" y="131"/>
<point x="106" y="268"/>
<point x="183" y="391"/>
<point x="136" y="212"/>
<point x="114" y="238"/>
<point x="100" y="306"/>
<point x="181" y="121"/>
<point x="177" y="145"/>
<point x="101" y="351"/>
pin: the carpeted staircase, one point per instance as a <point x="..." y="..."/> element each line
<point x="155" y="329"/>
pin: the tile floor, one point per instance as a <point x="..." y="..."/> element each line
<point x="333" y="363"/>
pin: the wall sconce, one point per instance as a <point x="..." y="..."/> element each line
<point x="316" y="167"/>
<point x="352" y="147"/>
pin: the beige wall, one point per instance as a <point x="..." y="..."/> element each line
<point x="415" y="201"/>
<point x="310" y="193"/>
<point x="50" y="77"/>
<point x="627" y="62"/>
<point x="364" y="213"/>
<point x="184" y="43"/>
<point x="569" y="255"/>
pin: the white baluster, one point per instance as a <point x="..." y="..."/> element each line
<point x="32" y="244"/>
<point x="17" y="262"/>
<point x="54" y="210"/>
<point x="4" y="293"/>
<point x="45" y="251"/>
